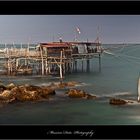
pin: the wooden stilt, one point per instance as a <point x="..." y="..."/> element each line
<point x="17" y="63"/>
<point x="88" y="65"/>
<point x="49" y="69"/>
<point x="60" y="66"/>
<point x="71" y="66"/>
<point x="46" y="67"/>
<point x="42" y="61"/>
<point x="8" y="66"/>
<point x="64" y="68"/>
<point x="99" y="62"/>
<point x="82" y="66"/>
<point x="75" y="66"/>
<point x="26" y="62"/>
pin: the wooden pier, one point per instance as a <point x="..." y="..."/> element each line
<point x="50" y="58"/>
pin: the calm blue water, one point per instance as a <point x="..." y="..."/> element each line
<point x="118" y="78"/>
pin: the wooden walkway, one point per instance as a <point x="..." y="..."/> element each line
<point x="41" y="60"/>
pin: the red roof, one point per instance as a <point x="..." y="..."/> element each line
<point x="56" y="44"/>
<point x="65" y="44"/>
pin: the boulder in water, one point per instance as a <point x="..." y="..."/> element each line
<point x="10" y="86"/>
<point x="2" y="88"/>
<point x="116" y="101"/>
<point x="21" y="94"/>
<point x="76" y="93"/>
<point x="32" y="93"/>
<point x="6" y="96"/>
<point x="5" y="93"/>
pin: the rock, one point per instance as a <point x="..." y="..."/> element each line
<point x="5" y="93"/>
<point x="48" y="91"/>
<point x="32" y="93"/>
<point x="32" y="88"/>
<point x="10" y="86"/>
<point x="21" y="94"/>
<point x="25" y="93"/>
<point x="116" y="101"/>
<point x="2" y="88"/>
<point x="6" y="97"/>
<point x="75" y="93"/>
<point x="17" y="90"/>
<point x="3" y="100"/>
<point x="28" y="96"/>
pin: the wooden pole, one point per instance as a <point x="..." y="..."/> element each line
<point x="49" y="69"/>
<point x="88" y="65"/>
<point x="46" y="67"/>
<point x="8" y="66"/>
<point x="82" y="66"/>
<point x="17" y="63"/>
<point x="61" y="75"/>
<point x="75" y="66"/>
<point x="65" y="68"/>
<point x="42" y="60"/>
<point x="99" y="62"/>
<point x="71" y="66"/>
<point x="26" y="62"/>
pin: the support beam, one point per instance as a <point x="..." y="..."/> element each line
<point x="42" y="68"/>
<point x="99" y="62"/>
<point x="75" y="66"/>
<point x="82" y="65"/>
<point x="60" y="66"/>
<point x="88" y="65"/>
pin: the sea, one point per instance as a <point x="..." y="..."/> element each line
<point x="118" y="77"/>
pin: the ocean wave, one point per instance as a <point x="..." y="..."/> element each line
<point x="56" y="83"/>
<point x="20" y="80"/>
<point x="117" y="94"/>
<point x="82" y="84"/>
<point x="45" y="84"/>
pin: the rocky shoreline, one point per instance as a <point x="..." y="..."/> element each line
<point x="21" y="93"/>
<point x="13" y="93"/>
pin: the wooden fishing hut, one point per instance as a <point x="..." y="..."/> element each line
<point x="62" y="57"/>
<point x="57" y="56"/>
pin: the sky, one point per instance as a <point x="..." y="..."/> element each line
<point x="47" y="28"/>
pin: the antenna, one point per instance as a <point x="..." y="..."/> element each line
<point x="98" y="29"/>
<point x="77" y="32"/>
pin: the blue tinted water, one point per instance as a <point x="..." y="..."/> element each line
<point x="118" y="78"/>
